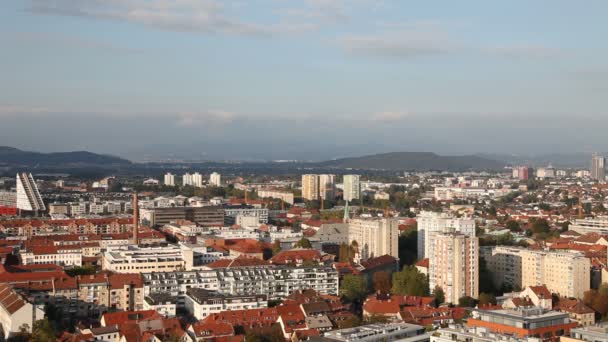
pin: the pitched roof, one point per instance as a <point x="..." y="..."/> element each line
<point x="380" y="261"/>
<point x="10" y="301"/>
<point x="541" y="291"/>
<point x="423" y="263"/>
<point x="212" y="329"/>
<point x="240" y="261"/>
<point x="296" y="255"/>
<point x="127" y="316"/>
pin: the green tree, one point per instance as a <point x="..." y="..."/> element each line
<point x="487" y="299"/>
<point x="375" y="318"/>
<point x="540" y="226"/>
<point x="513" y="226"/>
<point x="303" y="243"/>
<point x="410" y="282"/>
<point x="276" y="247"/>
<point x="350" y="322"/>
<point x="43" y="331"/>
<point x="408" y="247"/>
<point x="382" y="281"/>
<point x="439" y="295"/>
<point x="467" y="302"/>
<point x="353" y="288"/>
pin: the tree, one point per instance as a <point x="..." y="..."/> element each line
<point x="353" y="288"/>
<point x="350" y="322"/>
<point x="487" y="299"/>
<point x="513" y="226"/>
<point x="540" y="226"/>
<point x="408" y="247"/>
<point x="382" y="281"/>
<point x="439" y="295"/>
<point x="276" y="247"/>
<point x="467" y="302"/>
<point x="23" y="335"/>
<point x="303" y="243"/>
<point x="375" y="318"/>
<point x="410" y="282"/>
<point x="43" y="331"/>
<point x="486" y="281"/>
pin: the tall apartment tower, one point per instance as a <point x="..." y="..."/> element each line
<point x="215" y="179"/>
<point x="169" y="179"/>
<point x="374" y="236"/>
<point x="598" y="167"/>
<point x="197" y="180"/>
<point x="431" y="223"/>
<point x="310" y="187"/>
<point x="187" y="179"/>
<point x="454" y="265"/>
<point x="352" y="187"/>
<point x="327" y="186"/>
<point x="28" y="196"/>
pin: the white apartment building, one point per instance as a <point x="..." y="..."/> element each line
<point x="215" y="179"/>
<point x="567" y="273"/>
<point x="351" y="187"/>
<point x="136" y="259"/>
<point x="276" y="282"/>
<point x="77" y="208"/>
<point x="284" y="196"/>
<point x="597" y="225"/>
<point x="169" y="179"/>
<point x="375" y="236"/>
<point x="59" y="255"/>
<point x="310" y="187"/>
<point x="430" y="223"/>
<point x="327" y="186"/>
<point x="231" y="214"/>
<point x="197" y="180"/>
<point x="201" y="303"/>
<point x="28" y="197"/>
<point x="187" y="179"/>
<point x="453" y="265"/>
<point x="598" y="168"/>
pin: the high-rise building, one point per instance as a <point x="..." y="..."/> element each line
<point x="430" y="223"/>
<point x="522" y="172"/>
<point x="598" y="168"/>
<point x="197" y="180"/>
<point x="187" y="179"/>
<point x="563" y="272"/>
<point x="310" y="187"/>
<point x="352" y="187"/>
<point x="215" y="179"/>
<point x="28" y="196"/>
<point x="169" y="179"/>
<point x="326" y="186"/>
<point x="454" y="265"/>
<point x="375" y="236"/>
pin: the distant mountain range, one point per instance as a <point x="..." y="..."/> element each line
<point x="415" y="161"/>
<point x="567" y="160"/>
<point x="13" y="157"/>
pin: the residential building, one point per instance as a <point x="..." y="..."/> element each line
<point x="584" y="226"/>
<point x="374" y="236"/>
<point x="215" y="179"/>
<point x="457" y="333"/>
<point x="232" y="213"/>
<point x="453" y="265"/>
<point x="16" y="312"/>
<point x="285" y="196"/>
<point x="598" y="167"/>
<point x="380" y="332"/>
<point x="201" y="303"/>
<point x="197" y="180"/>
<point x="187" y="179"/>
<point x="276" y="282"/>
<point x="28" y="196"/>
<point x="351" y="187"/>
<point x="566" y="273"/>
<point x="139" y="259"/>
<point x="327" y="186"/>
<point x="523" y="322"/>
<point x="169" y="179"/>
<point x="210" y="216"/>
<point x="598" y="333"/>
<point x="430" y="223"/>
<point x="310" y="187"/>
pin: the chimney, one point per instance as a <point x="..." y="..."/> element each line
<point x="135" y="219"/>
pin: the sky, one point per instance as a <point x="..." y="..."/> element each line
<point x="303" y="79"/>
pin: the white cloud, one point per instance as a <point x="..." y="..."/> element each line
<point x="204" y="16"/>
<point x="210" y="116"/>
<point x="525" y="51"/>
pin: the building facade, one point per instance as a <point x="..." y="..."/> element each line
<point x="430" y="223"/>
<point x="351" y="187"/>
<point x="375" y="236"/>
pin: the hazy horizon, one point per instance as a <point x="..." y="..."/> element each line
<point x="307" y="80"/>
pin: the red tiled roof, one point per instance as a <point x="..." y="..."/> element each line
<point x="541" y="291"/>
<point x="395" y="304"/>
<point x="10" y="300"/>
<point x="296" y="256"/>
<point x="129" y="316"/>
<point x="240" y="261"/>
<point x="380" y="261"/>
<point x="423" y="263"/>
<point x="212" y="329"/>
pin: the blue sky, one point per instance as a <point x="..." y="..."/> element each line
<point x="303" y="79"/>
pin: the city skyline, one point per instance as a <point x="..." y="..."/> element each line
<point x="330" y="78"/>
